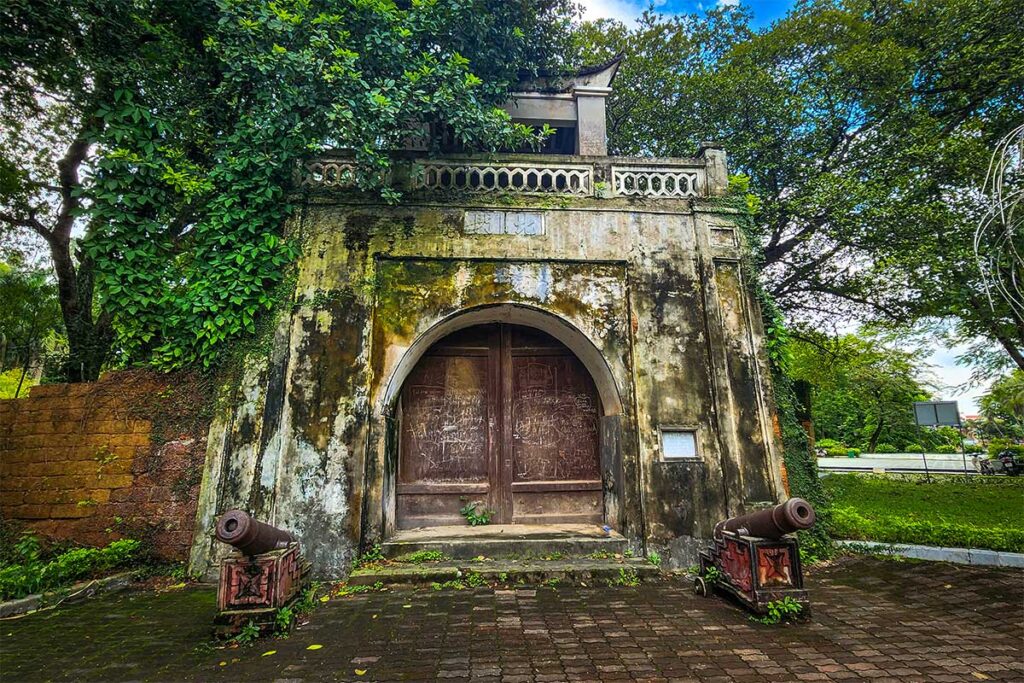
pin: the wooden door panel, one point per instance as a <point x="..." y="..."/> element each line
<point x="504" y="415"/>
<point x="558" y="507"/>
<point x="554" y="441"/>
<point x="445" y="450"/>
<point x="554" y="420"/>
<point x="445" y="422"/>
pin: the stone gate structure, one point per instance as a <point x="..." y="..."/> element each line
<point x="565" y="339"/>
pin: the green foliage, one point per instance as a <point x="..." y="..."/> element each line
<point x="998" y="447"/>
<point x="300" y="77"/>
<point x="249" y="634"/>
<point x="307" y="602"/>
<point x="945" y="448"/>
<point x="712" y="575"/>
<point x="654" y="558"/>
<point x="475" y="580"/>
<point x="421" y="556"/>
<point x="864" y="128"/>
<point x="284" y="617"/>
<point x="474" y="515"/>
<point x="802" y="469"/>
<point x="454" y="584"/>
<point x="886" y="448"/>
<point x="966" y="512"/>
<point x="1002" y="407"/>
<point x="178" y="126"/>
<point x="374" y="555"/>
<point x="28" y="573"/>
<point x="828" y="444"/>
<point x="355" y="590"/>
<point x="626" y="577"/>
<point x="779" y="611"/>
<point x="862" y="390"/>
<point x="913" y="448"/>
<point x="30" y="324"/>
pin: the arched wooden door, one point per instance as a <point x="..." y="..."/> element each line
<point x="505" y="415"/>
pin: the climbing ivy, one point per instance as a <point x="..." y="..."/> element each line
<point x="801" y="465"/>
<point x="188" y="200"/>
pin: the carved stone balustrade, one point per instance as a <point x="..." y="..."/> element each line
<point x="536" y="174"/>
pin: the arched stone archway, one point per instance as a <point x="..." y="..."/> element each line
<point x="515" y="314"/>
<point x="575" y="498"/>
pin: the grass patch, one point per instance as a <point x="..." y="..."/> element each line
<point x="421" y="556"/>
<point x="952" y="511"/>
<point x="32" y="573"/>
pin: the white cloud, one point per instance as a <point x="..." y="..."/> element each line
<point x="625" y="11"/>
<point x="728" y="3"/>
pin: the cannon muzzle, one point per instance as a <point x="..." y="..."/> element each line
<point x="249" y="536"/>
<point x="772" y="523"/>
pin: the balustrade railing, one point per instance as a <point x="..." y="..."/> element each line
<point x="609" y="177"/>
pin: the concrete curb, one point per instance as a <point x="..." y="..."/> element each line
<point x="984" y="558"/>
<point x="75" y="593"/>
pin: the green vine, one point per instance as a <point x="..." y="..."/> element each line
<point x="801" y="465"/>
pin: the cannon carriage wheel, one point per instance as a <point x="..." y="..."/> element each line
<point x="700" y="587"/>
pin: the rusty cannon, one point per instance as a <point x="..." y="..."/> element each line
<point x="755" y="558"/>
<point x="266" y="573"/>
<point x="249" y="535"/>
<point x="774" y="523"/>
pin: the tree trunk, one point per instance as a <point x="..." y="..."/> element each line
<point x="89" y="339"/>
<point x="24" y="371"/>
<point x="873" y="441"/>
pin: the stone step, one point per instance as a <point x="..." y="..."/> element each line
<point x="514" y="541"/>
<point x="453" y="574"/>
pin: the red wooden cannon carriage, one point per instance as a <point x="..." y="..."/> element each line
<point x="266" y="574"/>
<point x="756" y="558"/>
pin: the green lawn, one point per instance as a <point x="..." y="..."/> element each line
<point x="953" y="511"/>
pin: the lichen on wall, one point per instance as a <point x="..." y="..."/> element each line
<point x="308" y="442"/>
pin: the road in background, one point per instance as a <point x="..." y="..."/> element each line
<point x="938" y="463"/>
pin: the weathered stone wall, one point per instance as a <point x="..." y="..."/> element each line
<point x="92" y="462"/>
<point x="649" y="293"/>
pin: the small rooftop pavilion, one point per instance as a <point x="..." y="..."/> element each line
<point x="574" y="161"/>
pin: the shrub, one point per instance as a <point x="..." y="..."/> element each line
<point x="836" y="452"/>
<point x="32" y="575"/>
<point x="827" y="444"/>
<point x="914" y="448"/>
<point x="999" y="446"/>
<point x="848" y="523"/>
<point x="886" y="448"/>
<point x="973" y="448"/>
<point x="945" y="448"/>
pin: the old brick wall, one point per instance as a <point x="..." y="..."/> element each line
<point x="120" y="457"/>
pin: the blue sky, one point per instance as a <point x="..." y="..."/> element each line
<point x="942" y="369"/>
<point x="765" y="11"/>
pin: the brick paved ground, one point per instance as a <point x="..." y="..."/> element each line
<point x="873" y="619"/>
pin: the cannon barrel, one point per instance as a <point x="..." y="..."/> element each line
<point x="772" y="523"/>
<point x="249" y="535"/>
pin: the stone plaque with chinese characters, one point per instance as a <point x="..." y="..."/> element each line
<point x="525" y="223"/>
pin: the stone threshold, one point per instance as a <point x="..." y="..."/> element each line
<point x="624" y="571"/>
<point x="515" y="541"/>
<point x="74" y="593"/>
<point x="975" y="556"/>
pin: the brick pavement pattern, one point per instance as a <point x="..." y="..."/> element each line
<point x="878" y="620"/>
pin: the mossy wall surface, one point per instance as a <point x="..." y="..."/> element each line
<point x="649" y="295"/>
